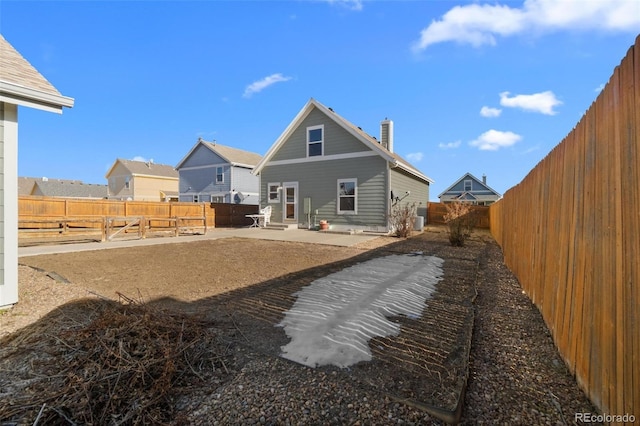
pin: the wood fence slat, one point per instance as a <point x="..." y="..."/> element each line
<point x="617" y="394"/>
<point x="632" y="250"/>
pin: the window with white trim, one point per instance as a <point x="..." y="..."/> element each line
<point x="347" y="196"/>
<point x="467" y="185"/>
<point x="315" y="140"/>
<point x="274" y="192"/>
<point x="219" y="175"/>
<point x="217" y="199"/>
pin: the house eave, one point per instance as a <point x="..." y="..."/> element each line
<point x="396" y="164"/>
<point x="246" y="166"/>
<point x="143" y="175"/>
<point x="24" y="96"/>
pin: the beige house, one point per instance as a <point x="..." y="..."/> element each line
<point x="20" y="85"/>
<point x="142" y="181"/>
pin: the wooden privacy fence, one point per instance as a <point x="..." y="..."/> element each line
<point x="231" y="215"/>
<point x="570" y="232"/>
<point x="49" y="216"/>
<point x="436" y="212"/>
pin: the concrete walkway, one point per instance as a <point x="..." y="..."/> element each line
<point x="295" y="235"/>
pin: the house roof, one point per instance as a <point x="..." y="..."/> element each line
<point x="145" y="168"/>
<point x="233" y="156"/>
<point x="70" y="189"/>
<point x="469" y="175"/>
<point x="25" y="184"/>
<point x="22" y="84"/>
<point x="357" y="132"/>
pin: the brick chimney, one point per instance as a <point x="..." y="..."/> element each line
<point x="386" y="134"/>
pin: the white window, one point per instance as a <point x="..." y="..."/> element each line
<point x="219" y="175"/>
<point x="196" y="199"/>
<point x="126" y="183"/>
<point x="274" y="192"/>
<point x="347" y="196"/>
<point x="315" y="140"/>
<point x="467" y="185"/>
<point x="217" y="199"/>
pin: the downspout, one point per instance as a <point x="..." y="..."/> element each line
<point x="387" y="197"/>
<point x="232" y="191"/>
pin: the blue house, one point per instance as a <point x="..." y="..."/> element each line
<point x="471" y="190"/>
<point x="216" y="173"/>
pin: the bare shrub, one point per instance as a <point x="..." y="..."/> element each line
<point x="460" y="220"/>
<point x="403" y="219"/>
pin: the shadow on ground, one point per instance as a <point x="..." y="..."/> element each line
<point x="424" y="367"/>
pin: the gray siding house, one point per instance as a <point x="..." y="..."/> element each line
<point x="323" y="167"/>
<point x="471" y="190"/>
<point x="216" y="173"/>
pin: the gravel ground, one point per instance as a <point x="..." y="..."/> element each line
<point x="516" y="375"/>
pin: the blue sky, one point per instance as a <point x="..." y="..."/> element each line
<point x="480" y="87"/>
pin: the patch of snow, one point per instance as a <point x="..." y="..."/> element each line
<point x="334" y="317"/>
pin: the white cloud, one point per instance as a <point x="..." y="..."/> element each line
<point x="478" y="25"/>
<point x="415" y="156"/>
<point x="492" y="140"/>
<point x="449" y="145"/>
<point x="349" y="4"/>
<point x="260" y="85"/>
<point x="486" y="111"/>
<point x="139" y="158"/>
<point x="542" y="102"/>
<point x="599" y="88"/>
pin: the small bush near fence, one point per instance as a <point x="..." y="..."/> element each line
<point x="460" y="220"/>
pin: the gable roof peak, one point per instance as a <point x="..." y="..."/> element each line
<point x="233" y="156"/>
<point x="394" y="159"/>
<point x="21" y="84"/>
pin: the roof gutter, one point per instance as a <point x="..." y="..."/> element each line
<point x="396" y="164"/>
<point x="24" y="96"/>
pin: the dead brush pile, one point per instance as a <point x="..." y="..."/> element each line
<point x="129" y="364"/>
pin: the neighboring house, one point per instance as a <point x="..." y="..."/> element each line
<point x="26" y="184"/>
<point x="216" y="173"/>
<point x="68" y="189"/>
<point x="324" y="168"/>
<point x="142" y="181"/>
<point x="470" y="189"/>
<point x="20" y="85"/>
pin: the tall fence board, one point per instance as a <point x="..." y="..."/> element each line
<point x="570" y="232"/>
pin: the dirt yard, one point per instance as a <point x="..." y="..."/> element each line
<point x="177" y="272"/>
<point x="230" y="293"/>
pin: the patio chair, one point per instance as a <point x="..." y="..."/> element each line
<point x="265" y="216"/>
